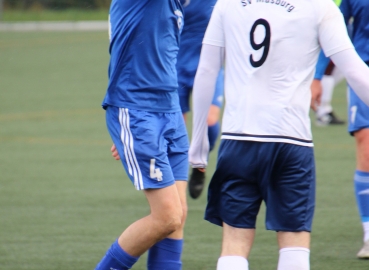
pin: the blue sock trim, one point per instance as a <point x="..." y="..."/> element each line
<point x="126" y="259"/>
<point x="365" y="219"/>
<point x="362" y="173"/>
<point x="213" y="132"/>
<point x="116" y="258"/>
<point x="165" y="254"/>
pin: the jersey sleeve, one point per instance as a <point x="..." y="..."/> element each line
<point x="211" y="61"/>
<point x="333" y="36"/>
<point x="355" y="71"/>
<point x="214" y="34"/>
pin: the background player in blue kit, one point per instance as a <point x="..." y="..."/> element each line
<point x="197" y="15"/>
<point x="356" y="13"/>
<point x="326" y="77"/>
<point x="145" y="122"/>
<point x="358" y="114"/>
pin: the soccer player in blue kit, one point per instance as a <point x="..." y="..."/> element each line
<point x="358" y="111"/>
<point x="146" y="125"/>
<point x="197" y="15"/>
<point x="358" y="114"/>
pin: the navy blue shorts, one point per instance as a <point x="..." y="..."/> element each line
<point x="248" y="173"/>
<point x="153" y="147"/>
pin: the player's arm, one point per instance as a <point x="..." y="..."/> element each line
<point x="316" y="86"/>
<point x="337" y="45"/>
<point x="355" y="71"/>
<point x="211" y="61"/>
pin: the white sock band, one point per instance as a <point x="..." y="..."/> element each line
<point x="366" y="231"/>
<point x="232" y="263"/>
<point x="294" y="258"/>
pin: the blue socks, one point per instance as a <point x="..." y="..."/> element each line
<point x="117" y="259"/>
<point x="361" y="182"/>
<point x="213" y="132"/>
<point x="165" y="255"/>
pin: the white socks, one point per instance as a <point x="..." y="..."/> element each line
<point x="328" y="87"/>
<point x="232" y="263"/>
<point x="366" y="231"/>
<point x="294" y="258"/>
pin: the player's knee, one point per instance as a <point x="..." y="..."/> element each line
<point x="184" y="214"/>
<point x="171" y="221"/>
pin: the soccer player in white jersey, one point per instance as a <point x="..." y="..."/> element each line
<point x="145" y="122"/>
<point x="270" y="48"/>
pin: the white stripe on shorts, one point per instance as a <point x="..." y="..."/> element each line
<point x="129" y="153"/>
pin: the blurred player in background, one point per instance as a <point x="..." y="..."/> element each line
<point x="358" y="114"/>
<point x="327" y="76"/>
<point x="357" y="18"/>
<point x="266" y="150"/>
<point x="197" y="14"/>
<point x="144" y="119"/>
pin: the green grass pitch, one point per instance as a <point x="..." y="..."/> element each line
<point x="64" y="200"/>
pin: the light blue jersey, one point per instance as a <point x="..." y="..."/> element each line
<point x="143" y="50"/>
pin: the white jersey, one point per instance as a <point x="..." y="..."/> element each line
<point x="271" y="49"/>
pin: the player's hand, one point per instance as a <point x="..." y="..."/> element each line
<point x="316" y="94"/>
<point x="114" y="152"/>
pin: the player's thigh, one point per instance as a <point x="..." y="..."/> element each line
<point x="165" y="203"/>
<point x="362" y="149"/>
<point x="290" y="193"/>
<point x="143" y="149"/>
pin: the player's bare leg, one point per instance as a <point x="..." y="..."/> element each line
<point x="294" y="250"/>
<point x="236" y="247"/>
<point x="165" y="218"/>
<point x="181" y="187"/>
<point x="362" y="185"/>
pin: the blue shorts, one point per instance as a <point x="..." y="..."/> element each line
<point x="280" y="174"/>
<point x="153" y="147"/>
<point x="358" y="113"/>
<point x="185" y="93"/>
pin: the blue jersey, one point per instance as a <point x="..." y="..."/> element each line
<point x="359" y="11"/>
<point x="144" y="43"/>
<point x="197" y="15"/>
